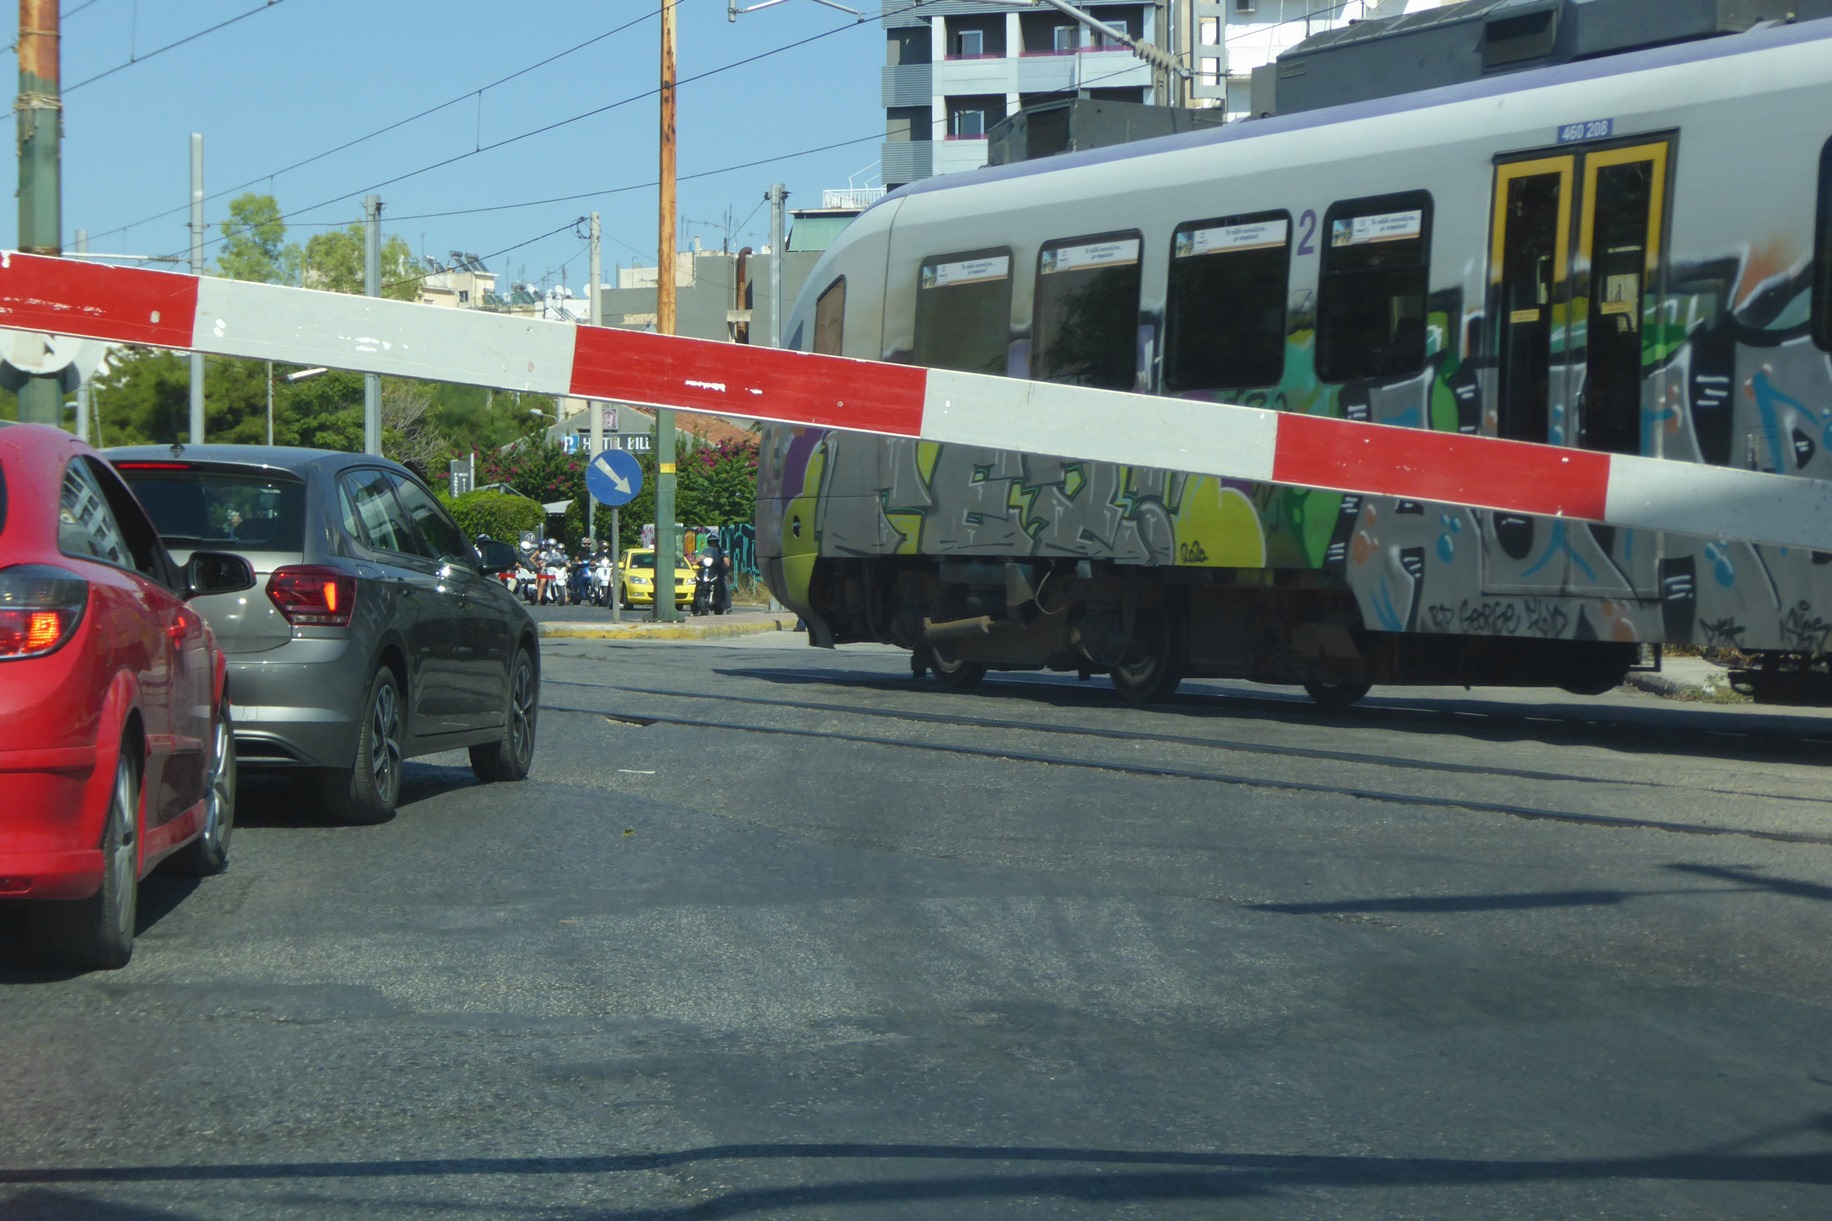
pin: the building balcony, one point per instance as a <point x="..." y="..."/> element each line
<point x="959" y="153"/>
<point x="907" y="85"/>
<point x="984" y="75"/>
<point x="1047" y="73"/>
<point x="906" y="160"/>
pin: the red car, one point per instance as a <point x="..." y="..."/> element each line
<point x="116" y="749"/>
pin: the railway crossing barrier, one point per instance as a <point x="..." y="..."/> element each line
<point x="370" y="335"/>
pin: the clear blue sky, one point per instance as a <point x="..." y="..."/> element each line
<point x="293" y="80"/>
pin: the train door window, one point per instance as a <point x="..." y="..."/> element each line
<point x="830" y="319"/>
<point x="1371" y="289"/>
<point x="1529" y="255"/>
<point x="1624" y="193"/>
<point x="963" y="311"/>
<point x="1224" y="314"/>
<point x="1822" y="254"/>
<point x="1087" y="312"/>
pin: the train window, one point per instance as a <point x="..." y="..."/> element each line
<point x="1371" y="289"/>
<point x="1087" y="312"/>
<point x="963" y="311"/>
<point x="1224" y="313"/>
<point x="1822" y="254"/>
<point x="830" y="318"/>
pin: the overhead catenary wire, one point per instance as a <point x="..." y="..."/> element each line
<point x="188" y="38"/>
<point x="292" y="216"/>
<point x="467" y="95"/>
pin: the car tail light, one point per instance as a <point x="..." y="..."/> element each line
<point x="40" y="607"/>
<point x="312" y="596"/>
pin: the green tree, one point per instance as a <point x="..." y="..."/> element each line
<point x="717" y="484"/>
<point x="334" y="262"/>
<point x="541" y="471"/>
<point x="254" y="243"/>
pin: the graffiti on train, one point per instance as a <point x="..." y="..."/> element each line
<point x="1730" y="376"/>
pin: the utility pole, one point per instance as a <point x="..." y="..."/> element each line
<point x="777" y="195"/>
<point x="82" y="386"/>
<point x="372" y="287"/>
<point x="595" y="269"/>
<point x="197" y="269"/>
<point x="665" y="545"/>
<point x="41" y="220"/>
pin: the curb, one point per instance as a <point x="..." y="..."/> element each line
<point x="1660" y="684"/>
<point x="666" y="631"/>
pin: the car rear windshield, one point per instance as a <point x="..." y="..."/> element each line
<point x="252" y="510"/>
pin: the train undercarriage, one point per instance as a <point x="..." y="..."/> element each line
<point x="1149" y="628"/>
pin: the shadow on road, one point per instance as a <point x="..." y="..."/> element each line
<point x="1171" y="1176"/>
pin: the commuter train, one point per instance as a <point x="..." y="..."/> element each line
<point x="1631" y="254"/>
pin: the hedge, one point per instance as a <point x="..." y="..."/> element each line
<point x="498" y="514"/>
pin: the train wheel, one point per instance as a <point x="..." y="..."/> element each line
<point x="1153" y="665"/>
<point x="1335" y="697"/>
<point x="953" y="672"/>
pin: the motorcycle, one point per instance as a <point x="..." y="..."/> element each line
<point x="579" y="579"/>
<point x="602" y="590"/>
<point x="706" y="578"/>
<point x="553" y="578"/>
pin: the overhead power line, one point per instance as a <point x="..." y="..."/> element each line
<point x="384" y="130"/>
<point x="140" y="59"/>
<point x="289" y="218"/>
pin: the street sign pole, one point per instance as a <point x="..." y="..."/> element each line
<point x="613" y="478"/>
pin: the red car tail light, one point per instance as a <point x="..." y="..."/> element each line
<point x="309" y="595"/>
<point x="40" y="607"/>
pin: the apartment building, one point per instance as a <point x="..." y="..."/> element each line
<point x="953" y="68"/>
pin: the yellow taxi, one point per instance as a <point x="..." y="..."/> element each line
<point x="636" y="579"/>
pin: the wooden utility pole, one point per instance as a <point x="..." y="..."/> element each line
<point x="665" y="544"/>
<point x="41" y="223"/>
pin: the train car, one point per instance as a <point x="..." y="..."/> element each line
<point x="1631" y="254"/>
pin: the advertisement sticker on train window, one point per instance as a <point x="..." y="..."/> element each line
<point x="971" y="271"/>
<point x="1095" y="254"/>
<point x="1385" y="227"/>
<point x="1257" y="236"/>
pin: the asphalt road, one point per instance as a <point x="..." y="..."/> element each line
<point x="774" y="932"/>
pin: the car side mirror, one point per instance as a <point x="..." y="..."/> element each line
<point x="494" y="555"/>
<point x="216" y="572"/>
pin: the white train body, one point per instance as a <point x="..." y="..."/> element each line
<point x="1627" y="254"/>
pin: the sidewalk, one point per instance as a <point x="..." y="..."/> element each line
<point x="1686" y="678"/>
<point x="594" y="623"/>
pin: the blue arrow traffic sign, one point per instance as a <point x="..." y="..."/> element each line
<point x="613" y="478"/>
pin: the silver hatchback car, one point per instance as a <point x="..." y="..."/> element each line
<point x="377" y="634"/>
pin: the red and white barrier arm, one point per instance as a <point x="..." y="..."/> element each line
<point x="301" y="326"/>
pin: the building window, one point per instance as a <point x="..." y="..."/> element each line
<point x="1086" y="325"/>
<point x="1224" y="311"/>
<point x="970" y="44"/>
<point x="968" y="118"/>
<point x="1103" y="42"/>
<point x="1371" y="289"/>
<point x="1065" y="37"/>
<point x="1244" y="6"/>
<point x="963" y="311"/>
